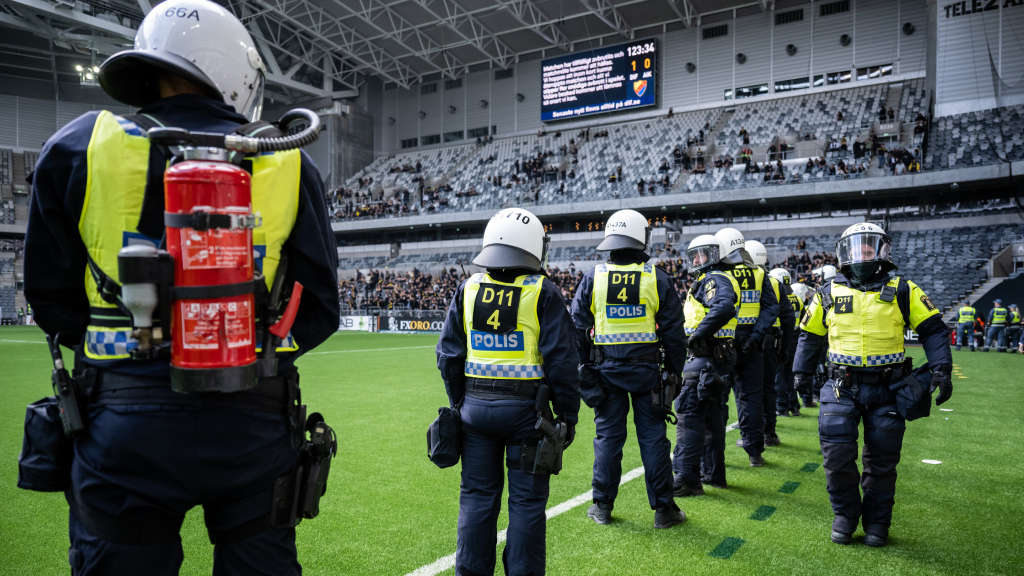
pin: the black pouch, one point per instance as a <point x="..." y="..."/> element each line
<point x="664" y="394"/>
<point x="296" y="495"/>
<point x="710" y="384"/>
<point x="44" y="464"/>
<point x="591" y="389"/>
<point x="443" y="438"/>
<point x="913" y="394"/>
<point x="541" y="454"/>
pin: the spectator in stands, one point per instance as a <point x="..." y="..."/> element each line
<point x="664" y="166"/>
<point x="842" y="144"/>
<point x="613" y="178"/>
<point x="892" y="115"/>
<point x="700" y="156"/>
<point x="666" y="182"/>
<point x="809" y="167"/>
<point x="699" y="169"/>
<point x="771" y="153"/>
<point x="640" y="186"/>
<point x="572" y="173"/>
<point x="419" y="167"/>
<point x="745" y="154"/>
<point x="783" y="150"/>
<point x="882" y="114"/>
<point x="920" y="119"/>
<point x="700" y="137"/>
<point x="839" y="116"/>
<point x="745" y="135"/>
<point x="858" y="149"/>
<point x="677" y="155"/>
<point x="670" y="112"/>
<point x="618" y="171"/>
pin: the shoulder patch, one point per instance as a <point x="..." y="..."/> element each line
<point x="927" y="303"/>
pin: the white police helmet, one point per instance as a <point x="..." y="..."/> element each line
<point x="864" y="242"/>
<point x="514" y="238"/>
<point x="704" y="252"/>
<point x="197" y="40"/>
<point x="758" y="253"/>
<point x="733" y="248"/>
<point x="828" y="272"/>
<point x="782" y="275"/>
<point x="626" y="229"/>
<point x="802" y="291"/>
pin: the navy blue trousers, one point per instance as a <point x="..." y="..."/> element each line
<point x="769" y="396"/>
<point x="610" y="420"/>
<point x="748" y="384"/>
<point x="1013" y="336"/>
<point x="883" y="441"/>
<point x="785" y="395"/>
<point x="700" y="432"/>
<point x="965" y="334"/>
<point x="135" y="461"/>
<point x="493" y="431"/>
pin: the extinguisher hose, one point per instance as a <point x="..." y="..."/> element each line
<point x="249" y="144"/>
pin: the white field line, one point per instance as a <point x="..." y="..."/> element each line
<point x="24" y="341"/>
<point x="367" y="350"/>
<point x="733" y="426"/>
<point x="448" y="562"/>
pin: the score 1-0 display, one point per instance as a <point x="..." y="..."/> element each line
<point x="602" y="80"/>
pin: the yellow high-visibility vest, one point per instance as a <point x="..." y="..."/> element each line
<point x="502" y="327"/>
<point x="624" y="304"/>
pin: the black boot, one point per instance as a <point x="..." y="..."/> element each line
<point x="756" y="461"/>
<point x="684" y="490"/>
<point x="600" y="512"/>
<point x="668" y="515"/>
<point x="772" y="440"/>
<point x="782" y="413"/>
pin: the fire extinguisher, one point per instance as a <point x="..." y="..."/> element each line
<point x="204" y="283"/>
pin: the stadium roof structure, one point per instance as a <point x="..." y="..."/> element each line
<point x="329" y="47"/>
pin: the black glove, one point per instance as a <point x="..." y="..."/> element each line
<point x="784" y="355"/>
<point x="944" y="383"/>
<point x="570" y="431"/>
<point x="802" y="383"/>
<point x="751" y="345"/>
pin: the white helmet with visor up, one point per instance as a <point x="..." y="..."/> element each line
<point x="734" y="251"/>
<point x="781" y="275"/>
<point x="197" y="40"/>
<point x="704" y="252"/>
<point x="863" y="243"/>
<point x="758" y="253"/>
<point x="626" y="229"/>
<point x="514" y="238"/>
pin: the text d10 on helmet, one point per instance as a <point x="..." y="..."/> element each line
<point x="757" y="252"/>
<point x="864" y="242"/>
<point x="197" y="40"/>
<point x="626" y="229"/>
<point x="781" y="275"/>
<point x="514" y="238"/>
<point x="704" y="252"/>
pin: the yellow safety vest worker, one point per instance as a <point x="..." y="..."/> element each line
<point x="502" y="327"/>
<point x="863" y="328"/>
<point x="624" y="304"/>
<point x="750" y="281"/>
<point x="998" y="316"/>
<point x="967" y="314"/>
<point x="694" y="310"/>
<point x="798" y="307"/>
<point x="118" y="159"/>
<point x="1014" y="317"/>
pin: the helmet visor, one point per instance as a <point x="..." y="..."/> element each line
<point x="700" y="257"/>
<point x="253" y="109"/>
<point x="867" y="247"/>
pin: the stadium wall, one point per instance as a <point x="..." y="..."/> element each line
<point x="980" y="61"/>
<point x="874" y="26"/>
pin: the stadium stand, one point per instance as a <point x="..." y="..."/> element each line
<point x="6" y="166"/>
<point x="976" y="139"/>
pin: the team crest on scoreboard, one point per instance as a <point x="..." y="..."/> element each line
<point x="640" y="86"/>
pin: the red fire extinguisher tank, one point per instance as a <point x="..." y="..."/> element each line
<point x="213" y="346"/>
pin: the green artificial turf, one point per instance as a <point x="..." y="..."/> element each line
<point x="389" y="511"/>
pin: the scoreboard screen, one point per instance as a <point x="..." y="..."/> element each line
<point x="607" y="79"/>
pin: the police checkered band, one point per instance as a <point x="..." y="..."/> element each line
<point x="725" y="333"/>
<point x="849" y="360"/>
<point x="750" y="296"/>
<point x="129" y="127"/>
<point x="532" y="280"/>
<point x="624" y="338"/>
<point x="503" y="370"/>
<point x="108" y="343"/>
<point x="601" y="269"/>
<point x="747" y="319"/>
<point x="884" y="359"/>
<point x="648" y="267"/>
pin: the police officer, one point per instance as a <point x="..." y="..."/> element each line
<point x="864" y="312"/>
<point x="788" y="402"/>
<point x="810" y="397"/>
<point x="779" y="343"/>
<point x="150" y="454"/>
<point x="965" y="325"/>
<point x="712" y="304"/>
<point x="758" y="310"/>
<point x="1013" y="329"/>
<point x="634" y="310"/>
<point x="997" y="318"/>
<point x="507" y="334"/>
<point x="783" y="369"/>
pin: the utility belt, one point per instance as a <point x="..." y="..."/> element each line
<point x="494" y="389"/>
<point x="849" y="376"/>
<point x="45" y="462"/>
<point x="598" y="356"/>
